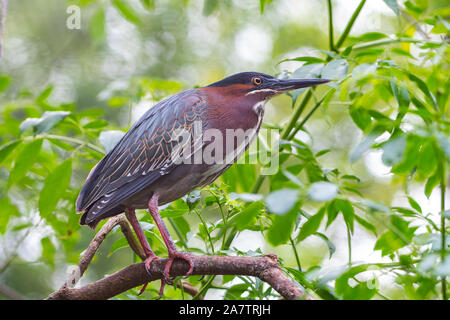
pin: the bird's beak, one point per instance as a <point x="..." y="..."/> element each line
<point x="281" y="85"/>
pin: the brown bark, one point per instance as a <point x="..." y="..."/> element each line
<point x="266" y="268"/>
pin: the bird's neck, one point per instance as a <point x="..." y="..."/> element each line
<point x="228" y="111"/>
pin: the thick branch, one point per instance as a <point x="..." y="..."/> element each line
<point x="266" y="268"/>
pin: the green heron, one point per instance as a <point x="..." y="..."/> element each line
<point x="147" y="169"/>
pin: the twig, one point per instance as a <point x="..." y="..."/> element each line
<point x="95" y="244"/>
<point x="330" y="26"/>
<point x="349" y="25"/>
<point x="265" y="268"/>
<point x="189" y="289"/>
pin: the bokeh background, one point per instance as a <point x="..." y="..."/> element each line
<point x="186" y="44"/>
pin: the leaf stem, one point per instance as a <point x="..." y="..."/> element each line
<point x="204" y="288"/>
<point x="285" y="134"/>
<point x="295" y="253"/>
<point x="72" y="140"/>
<point x="349" y="244"/>
<point x="297" y="113"/>
<point x="330" y="26"/>
<point x="349" y="25"/>
<point x="443" y="233"/>
<point x="389" y="41"/>
<point x="310" y="113"/>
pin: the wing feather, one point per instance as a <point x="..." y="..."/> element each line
<point x="145" y="153"/>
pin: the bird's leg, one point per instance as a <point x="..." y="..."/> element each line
<point x="131" y="216"/>
<point x="173" y="253"/>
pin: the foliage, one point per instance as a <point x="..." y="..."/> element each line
<point x="397" y="100"/>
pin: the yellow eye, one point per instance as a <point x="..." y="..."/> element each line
<point x="257" y="81"/>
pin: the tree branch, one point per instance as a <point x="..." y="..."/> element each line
<point x="266" y="268"/>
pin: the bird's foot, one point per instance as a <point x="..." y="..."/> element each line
<point x="180" y="255"/>
<point x="147" y="264"/>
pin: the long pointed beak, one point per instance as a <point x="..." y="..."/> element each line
<point x="282" y="85"/>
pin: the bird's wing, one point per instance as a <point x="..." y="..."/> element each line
<point x="149" y="150"/>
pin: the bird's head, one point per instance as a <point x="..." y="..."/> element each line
<point x="260" y="86"/>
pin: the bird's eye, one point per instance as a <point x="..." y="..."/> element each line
<point x="257" y="81"/>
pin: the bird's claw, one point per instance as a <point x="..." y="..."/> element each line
<point x="179" y="255"/>
<point x="147" y="264"/>
<point x="166" y="277"/>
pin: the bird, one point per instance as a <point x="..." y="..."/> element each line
<point x="157" y="159"/>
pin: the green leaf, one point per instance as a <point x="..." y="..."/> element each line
<point x="394" y="150"/>
<point x="263" y="3"/>
<point x="7" y="210"/>
<point x="281" y="201"/>
<point x="308" y="60"/>
<point x="322" y="191"/>
<point x="413" y="203"/>
<point x="363" y="146"/>
<point x="148" y="4"/>
<point x="335" y="70"/>
<point x="431" y="183"/>
<point x="369" y="36"/>
<point x="427" y="160"/>
<point x="44" y="94"/>
<point x="173" y="213"/>
<point x="306" y="72"/>
<point x="210" y="6"/>
<point x="347" y="210"/>
<point x="247" y="197"/>
<point x="236" y="291"/>
<point x="410" y="157"/>
<point x="363" y="70"/>
<point x="360" y="117"/>
<point x="182" y="225"/>
<point x="399" y="235"/>
<point x="374" y="206"/>
<point x="97" y="25"/>
<point x="126" y="11"/>
<point x="7" y="148"/>
<point x="393" y="5"/>
<point x="4" y="83"/>
<point x="281" y="229"/>
<point x="96" y="124"/>
<point x="55" y="185"/>
<point x="193" y="199"/>
<point x="109" y="139"/>
<point x="366" y="224"/>
<point x="332" y="212"/>
<point x="311" y="225"/>
<point x="423" y="87"/>
<point x="361" y="291"/>
<point x="388" y="243"/>
<point x="48" y="120"/>
<point x="245" y="217"/>
<point x="48" y="251"/>
<point x="331" y="246"/>
<point x="401" y="94"/>
<point x="25" y="159"/>
<point x="118" y="244"/>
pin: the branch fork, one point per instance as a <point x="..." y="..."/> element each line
<point x="266" y="268"/>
